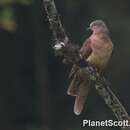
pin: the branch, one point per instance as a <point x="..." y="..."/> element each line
<point x="70" y="53"/>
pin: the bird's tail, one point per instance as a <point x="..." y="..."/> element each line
<point x="79" y="104"/>
<point x="81" y="97"/>
<point x="79" y="88"/>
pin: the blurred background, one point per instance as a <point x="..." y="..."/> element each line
<point x="34" y="82"/>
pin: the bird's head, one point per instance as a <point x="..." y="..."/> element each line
<point x="98" y="26"/>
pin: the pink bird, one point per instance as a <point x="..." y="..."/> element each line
<point x="97" y="50"/>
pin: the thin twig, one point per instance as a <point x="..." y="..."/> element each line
<point x="69" y="52"/>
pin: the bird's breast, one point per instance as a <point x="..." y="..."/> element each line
<point x="101" y="52"/>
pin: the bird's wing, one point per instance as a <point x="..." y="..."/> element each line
<point x="86" y="49"/>
<point x="73" y="87"/>
<point x="73" y="71"/>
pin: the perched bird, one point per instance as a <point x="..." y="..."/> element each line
<point x="97" y="51"/>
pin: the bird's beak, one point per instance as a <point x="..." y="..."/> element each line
<point x="89" y="31"/>
<point x="88" y="28"/>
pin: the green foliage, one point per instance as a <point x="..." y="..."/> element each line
<point x="7" y="13"/>
<point x="7" y="16"/>
<point x="24" y="2"/>
<point x="7" y="21"/>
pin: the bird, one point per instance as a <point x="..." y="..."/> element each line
<point x="97" y="51"/>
